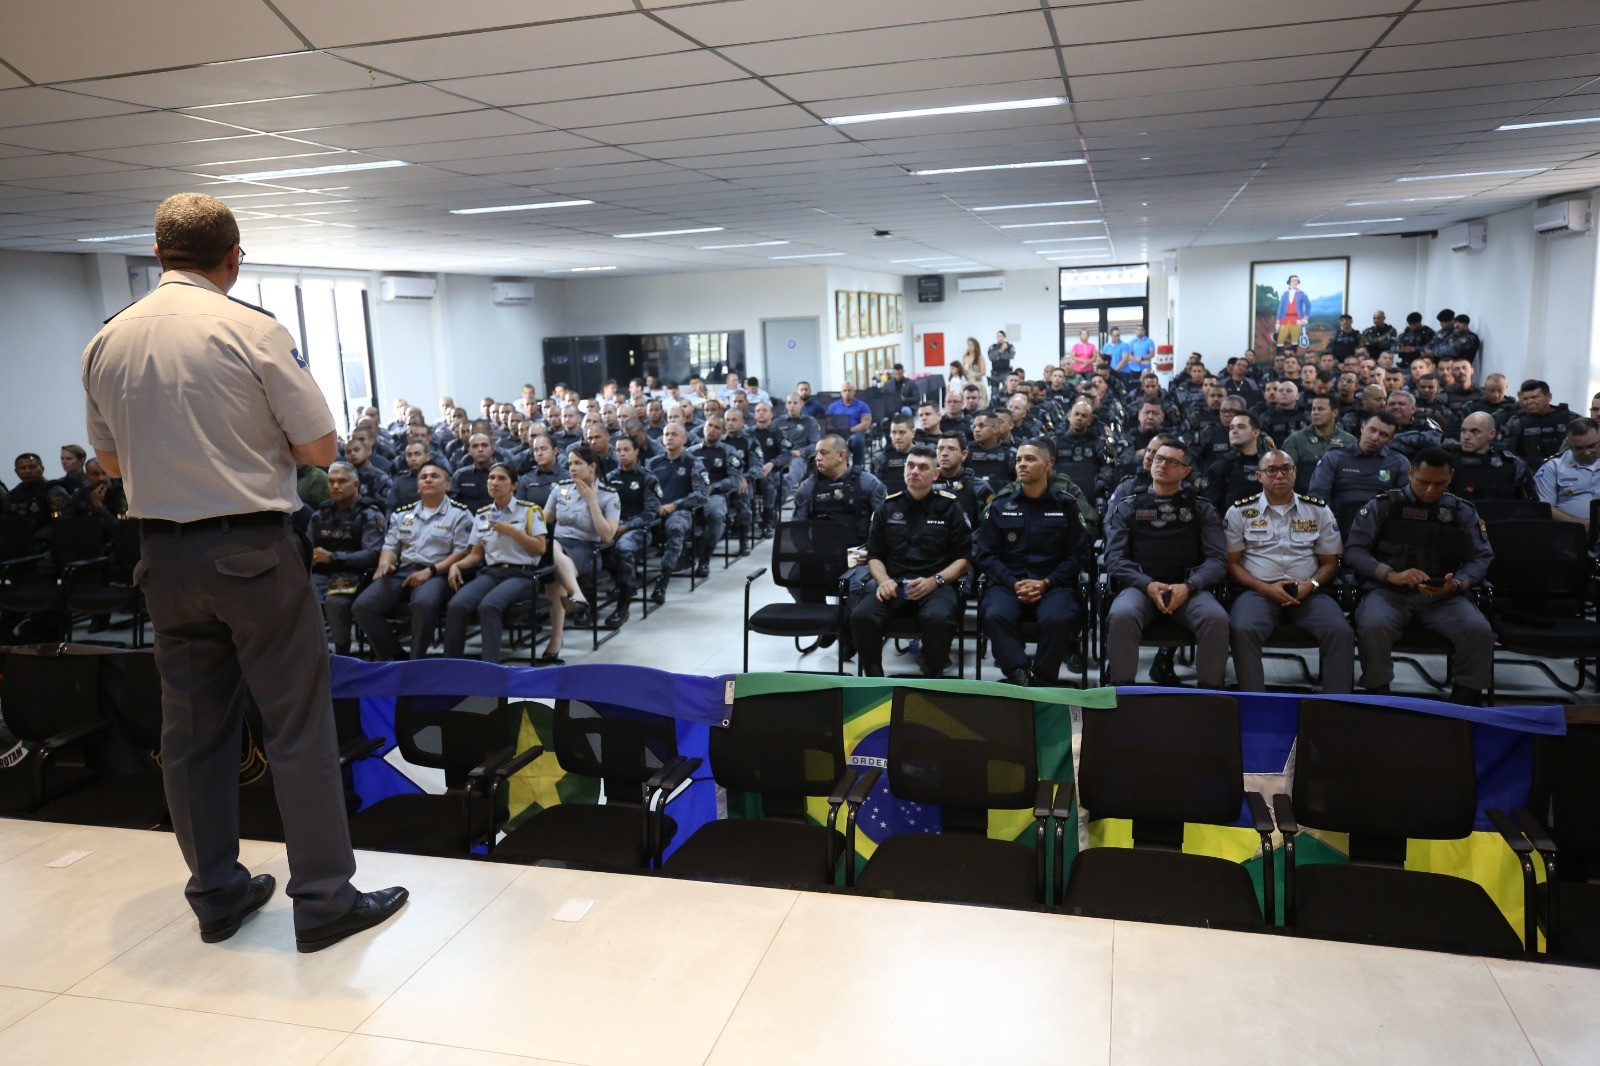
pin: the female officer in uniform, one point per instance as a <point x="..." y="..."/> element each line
<point x="508" y="537"/>
<point x="584" y="516"/>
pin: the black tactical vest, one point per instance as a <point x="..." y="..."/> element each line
<point x="1484" y="477"/>
<point x="842" y="499"/>
<point x="1165" y="534"/>
<point x="1425" y="536"/>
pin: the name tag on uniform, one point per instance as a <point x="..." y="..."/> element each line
<point x="1302" y="525"/>
<point x="1414" y="514"/>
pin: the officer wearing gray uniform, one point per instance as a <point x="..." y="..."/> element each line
<point x="1276" y="540"/>
<point x="685" y="488"/>
<point x="568" y="510"/>
<point x="1417" y="549"/>
<point x="1165" y="550"/>
<point x="1350" y="476"/>
<point x="346" y="537"/>
<point x="423" y="540"/>
<point x="506" y="543"/>
<point x="225" y="578"/>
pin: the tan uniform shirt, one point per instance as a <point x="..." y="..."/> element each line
<point x="201" y="396"/>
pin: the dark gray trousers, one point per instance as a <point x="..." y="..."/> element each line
<point x="235" y="620"/>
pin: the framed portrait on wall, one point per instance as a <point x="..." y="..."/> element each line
<point x="841" y="317"/>
<point x="877" y="315"/>
<point x="864" y="310"/>
<point x="897" y="322"/>
<point x="884" y="322"/>
<point x="852" y="315"/>
<point x="1296" y="302"/>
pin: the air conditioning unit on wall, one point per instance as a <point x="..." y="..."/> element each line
<point x="1467" y="237"/>
<point x="398" y="287"/>
<point x="981" y="283"/>
<point x="1568" y="216"/>
<point x="511" y="293"/>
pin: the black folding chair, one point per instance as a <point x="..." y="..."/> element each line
<point x="1163" y="760"/>
<point x="810" y="560"/>
<point x="967" y="755"/>
<point x="1384" y="776"/>
<point x="780" y="750"/>
<point x="1540" y="598"/>
<point x="1495" y="511"/>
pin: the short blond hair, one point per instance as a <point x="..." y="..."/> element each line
<point x="194" y="230"/>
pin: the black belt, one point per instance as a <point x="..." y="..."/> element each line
<point x="151" y="526"/>
<point x="512" y="566"/>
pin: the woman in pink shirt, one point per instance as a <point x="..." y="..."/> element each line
<point x="1083" y="354"/>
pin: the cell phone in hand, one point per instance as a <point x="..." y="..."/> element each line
<point x="1166" y="597"/>
<point x="1291" y="587"/>
<point x="1434" y="582"/>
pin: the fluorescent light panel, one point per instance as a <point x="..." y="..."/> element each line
<point x="1356" y="222"/>
<point x="668" y="232"/>
<point x="589" y="270"/>
<point x="119" y="237"/>
<point x="1001" y="166"/>
<point x="1048" y="203"/>
<point x="519" y="207"/>
<point x="752" y="244"/>
<point x="1406" y="200"/>
<point x="1316" y="236"/>
<point x="1473" y="174"/>
<point x="1037" y="225"/>
<point x="956" y="109"/>
<point x="1062" y="240"/>
<point x="1552" y="122"/>
<point x="303" y="172"/>
<point x="806" y="255"/>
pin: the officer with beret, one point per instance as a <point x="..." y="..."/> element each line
<point x="1417" y="549"/>
<point x="1164" y="552"/>
<point x="346" y="537"/>
<point x="1031" y="545"/>
<point x="639" y="502"/>
<point x="1282" y="549"/>
<point x="918" y="544"/>
<point x="422" y="542"/>
<point x="505" y="546"/>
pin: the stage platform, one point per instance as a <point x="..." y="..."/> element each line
<point x="100" y="962"/>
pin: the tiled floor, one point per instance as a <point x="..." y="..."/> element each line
<point x="102" y="963"/>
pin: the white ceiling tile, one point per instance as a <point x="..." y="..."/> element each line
<point x="1535" y="47"/>
<point x="543" y="162"/>
<point x="68" y="39"/>
<point x="19" y="168"/>
<point x="1460" y="24"/>
<point x="22" y="107"/>
<point x="477" y="147"/>
<point x="720" y="25"/>
<point x="1262" y="72"/>
<point x="1441" y="78"/>
<point x="482" y="123"/>
<point x="122" y="131"/>
<point x="1142" y="19"/>
<point x="882" y="78"/>
<point x="329" y="24"/>
<point x="527" y="48"/>
<point x="269" y="77"/>
<point x="754" y="121"/>
<point x="1019" y="32"/>
<point x="654" y="104"/>
<point x="339" y="108"/>
<point x="596" y="79"/>
<point x="219" y="150"/>
<point x="1243" y="46"/>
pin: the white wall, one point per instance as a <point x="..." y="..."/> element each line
<point x="51" y="304"/>
<point x="698" y="303"/>
<point x="833" y="349"/>
<point x="1027" y="309"/>
<point x="1213" y="307"/>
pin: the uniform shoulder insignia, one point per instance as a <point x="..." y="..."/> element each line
<point x="485" y="509"/>
<point x="947" y="495"/>
<point x="1312" y="500"/>
<point x="893" y="495"/>
<point x="1247" y="500"/>
<point x="251" y="306"/>
<point x="412" y="506"/>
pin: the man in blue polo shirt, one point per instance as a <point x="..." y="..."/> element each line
<point x="850" y="415"/>
<point x="1141" y="350"/>
<point x="1119" y="352"/>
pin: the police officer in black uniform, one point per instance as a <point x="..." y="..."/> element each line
<point x="346" y="535"/>
<point x="1482" y="472"/>
<point x="639" y="494"/>
<point x="769" y="458"/>
<point x="28" y="498"/>
<point x="839" y="492"/>
<point x="1233" y="477"/>
<point x="973" y="492"/>
<point x="988" y="457"/>
<point x="800" y="433"/>
<point x="890" y="466"/>
<point x="1031" y="545"/>
<point x="918" y="546"/>
<point x="547" y="470"/>
<point x="469" y="486"/>
<point x="729" y="495"/>
<point x="685" y="488"/>
<point x="1537" y="431"/>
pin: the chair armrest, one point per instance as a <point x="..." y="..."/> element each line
<point x="1259" y="813"/>
<point x="1044" y="798"/>
<point x="1509" y="831"/>
<point x="1519" y="844"/>
<point x="518" y="761"/>
<point x="74" y="735"/>
<point x="754" y="574"/>
<point x="1536" y="833"/>
<point x="490" y="765"/>
<point x="1283" y="809"/>
<point x="357" y="750"/>
<point x="667" y="780"/>
<point x="22" y="560"/>
<point x="865" y="780"/>
<point x="841" y="790"/>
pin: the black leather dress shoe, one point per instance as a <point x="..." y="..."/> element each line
<point x="1021" y="678"/>
<point x="255" y="895"/>
<point x="370" y="909"/>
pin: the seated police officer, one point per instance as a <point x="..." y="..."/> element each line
<point x="1031" y="546"/>
<point x="507" y="540"/>
<point x="1165" y="551"/>
<point x="422" y="542"/>
<point x="1352" y="475"/>
<point x="639" y="499"/>
<point x="956" y="479"/>
<point x="346" y="536"/>
<point x="685" y="488"/>
<point x="583" y="515"/>
<point x="1282" y="548"/>
<point x="470" y="485"/>
<point x="1417" y="549"/>
<point x="728" y="496"/>
<point x="917" y="547"/>
<point x="1482" y="471"/>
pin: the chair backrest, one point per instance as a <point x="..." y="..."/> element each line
<point x="1379" y="771"/>
<point x="43" y="694"/>
<point x="1566" y="791"/>
<point x="811" y="556"/>
<point x="1165" y="758"/>
<point x="1492" y="511"/>
<point x="956" y="750"/>
<point x="17" y="536"/>
<point x="782" y="744"/>
<point x="1082" y="475"/>
<point x="623" y="747"/>
<point x="837" y="424"/>
<point x="75" y="537"/>
<point x="451" y="733"/>
<point x="1539" y="564"/>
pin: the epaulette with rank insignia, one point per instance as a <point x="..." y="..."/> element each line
<point x="251" y="306"/>
<point x="892" y="495"/>
<point x="946" y="495"/>
<point x="1312" y="500"/>
<point x="412" y="506"/>
<point x="1247" y="500"/>
<point x="485" y="509"/>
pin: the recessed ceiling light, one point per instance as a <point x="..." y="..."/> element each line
<point x="752" y="244"/>
<point x="806" y="255"/>
<point x="1047" y="203"/>
<point x="1038" y="225"/>
<point x="1552" y="122"/>
<point x="1473" y="174"/>
<point x="932" y="259"/>
<point x="118" y="237"/>
<point x="520" y="207"/>
<point x="589" y="270"/>
<point x="263" y="100"/>
<point x="669" y="232"/>
<point x="1356" y="222"/>
<point x="1001" y="166"/>
<point x="302" y="172"/>
<point x="1316" y="236"/>
<point x="956" y="109"/>
<point x="1059" y="240"/>
<point x="1405" y="200"/>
